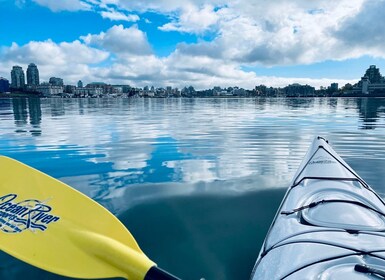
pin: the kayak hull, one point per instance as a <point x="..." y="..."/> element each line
<point x="329" y="221"/>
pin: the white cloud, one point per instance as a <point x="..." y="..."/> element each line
<point x="193" y="171"/>
<point x="193" y="19"/>
<point x="279" y="32"/>
<point x="245" y="33"/>
<point x="114" y="15"/>
<point x="64" y="5"/>
<point x="121" y="41"/>
<point x="70" y="61"/>
<point x="78" y="61"/>
<point x="202" y="72"/>
<point x="364" y="33"/>
<point x="49" y="52"/>
<point x="261" y="32"/>
<point x="135" y="70"/>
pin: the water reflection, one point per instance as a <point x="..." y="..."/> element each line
<point x="216" y="137"/>
<point x="20" y="111"/>
<point x="35" y="114"/>
<point x="218" y="235"/>
<point x="370" y="111"/>
<point x="5" y="106"/>
<point x="57" y="107"/>
<point x="200" y="173"/>
<point x="112" y="143"/>
<point x="299" y="103"/>
<point x="25" y="110"/>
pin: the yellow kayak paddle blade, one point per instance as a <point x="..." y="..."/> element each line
<point x="52" y="226"/>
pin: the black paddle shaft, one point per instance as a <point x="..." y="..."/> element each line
<point x="155" y="273"/>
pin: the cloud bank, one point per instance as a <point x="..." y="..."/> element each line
<point x="242" y="34"/>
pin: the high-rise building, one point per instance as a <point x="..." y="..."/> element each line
<point x="56" y="81"/>
<point x="80" y="84"/>
<point x="373" y="73"/>
<point x="32" y="75"/>
<point x="4" y="85"/>
<point x="17" y="77"/>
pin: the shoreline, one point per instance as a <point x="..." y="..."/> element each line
<point x="28" y="95"/>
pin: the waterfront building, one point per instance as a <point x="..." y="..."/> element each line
<point x="146" y="93"/>
<point x="4" y="85"/>
<point x="371" y="83"/>
<point x="374" y="75"/>
<point x="56" y="81"/>
<point x="32" y="75"/>
<point x="365" y="84"/>
<point x="48" y="89"/>
<point x="88" y="92"/>
<point x="121" y="89"/>
<point x="106" y="89"/>
<point x="80" y="84"/>
<point x="17" y="78"/>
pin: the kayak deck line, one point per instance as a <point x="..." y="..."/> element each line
<point x="358" y="251"/>
<point x="341" y="162"/>
<point x="330" y="179"/>
<point x="329" y="243"/>
<point x="329" y="221"/>
<point x="316" y="203"/>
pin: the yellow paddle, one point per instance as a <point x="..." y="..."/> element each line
<point x="52" y="226"/>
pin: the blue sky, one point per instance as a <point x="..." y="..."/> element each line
<point x="203" y="43"/>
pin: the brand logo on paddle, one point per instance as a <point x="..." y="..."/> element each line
<point x="30" y="214"/>
<point x="322" y="160"/>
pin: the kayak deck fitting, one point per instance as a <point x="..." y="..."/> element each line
<point x="330" y="224"/>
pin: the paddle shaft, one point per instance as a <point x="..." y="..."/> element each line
<point x="156" y="273"/>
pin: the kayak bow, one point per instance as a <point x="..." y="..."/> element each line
<point x="330" y="224"/>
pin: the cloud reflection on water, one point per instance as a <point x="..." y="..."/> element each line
<point x="212" y="170"/>
<point x="99" y="145"/>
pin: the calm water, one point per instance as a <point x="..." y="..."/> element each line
<point x="197" y="181"/>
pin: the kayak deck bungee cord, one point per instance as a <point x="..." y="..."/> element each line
<point x="330" y="224"/>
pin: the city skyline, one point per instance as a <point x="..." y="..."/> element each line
<point x="199" y="43"/>
<point x="372" y="83"/>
